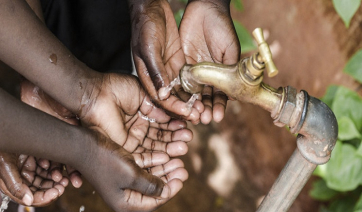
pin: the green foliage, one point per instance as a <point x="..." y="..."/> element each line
<point x="238" y="5"/>
<point x="346" y="9"/>
<point x="321" y="191"/>
<point x="178" y="16"/>
<point x="341" y="177"/>
<point x="354" y="66"/>
<point x="246" y="41"/>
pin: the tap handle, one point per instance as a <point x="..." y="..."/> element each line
<point x="265" y="52"/>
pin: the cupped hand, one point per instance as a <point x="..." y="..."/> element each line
<point x="119" y="108"/>
<point x="158" y="56"/>
<point x="27" y="183"/>
<point x="139" y="181"/>
<point x="208" y="34"/>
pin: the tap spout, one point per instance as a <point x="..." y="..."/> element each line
<point x="306" y="115"/>
<point x="233" y="81"/>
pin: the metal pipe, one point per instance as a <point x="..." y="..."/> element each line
<point x="230" y="79"/>
<point x="288" y="185"/>
<point x="308" y="116"/>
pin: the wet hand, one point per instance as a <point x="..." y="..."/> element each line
<point x="207" y="34"/>
<point x="158" y="56"/>
<point x="119" y="108"/>
<point x="27" y="183"/>
<point x="141" y="181"/>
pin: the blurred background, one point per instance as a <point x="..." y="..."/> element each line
<point x="233" y="164"/>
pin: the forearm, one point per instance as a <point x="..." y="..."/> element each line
<point x="26" y="130"/>
<point x="31" y="49"/>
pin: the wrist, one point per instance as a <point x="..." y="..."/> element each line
<point x="90" y="88"/>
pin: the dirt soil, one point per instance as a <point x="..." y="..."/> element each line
<point x="233" y="164"/>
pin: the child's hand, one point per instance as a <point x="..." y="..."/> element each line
<point x="27" y="183"/>
<point x="118" y="107"/>
<point x="119" y="178"/>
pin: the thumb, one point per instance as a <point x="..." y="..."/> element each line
<point x="147" y="184"/>
<point x="18" y="192"/>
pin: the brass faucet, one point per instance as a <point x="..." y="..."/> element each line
<point x="242" y="81"/>
<point x="306" y="115"/>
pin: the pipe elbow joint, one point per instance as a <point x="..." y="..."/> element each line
<point x="319" y="131"/>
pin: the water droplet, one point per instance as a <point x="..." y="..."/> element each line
<point x="82" y="208"/>
<point x="163" y="92"/>
<point x="5" y="202"/>
<point x="53" y="59"/>
<point x="93" y="192"/>
<point x="191" y="101"/>
<point x="146" y="117"/>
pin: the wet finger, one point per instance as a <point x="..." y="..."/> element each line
<point x="173" y="149"/>
<point x="220" y="100"/>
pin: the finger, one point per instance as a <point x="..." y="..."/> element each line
<point x="140" y="202"/>
<point x="146" y="160"/>
<point x="56" y="171"/>
<point x="150" y="110"/>
<point x="11" y="182"/>
<point x="220" y="100"/>
<point x="43" y="163"/>
<point x="174" y="124"/>
<point x="18" y="192"/>
<point x="186" y="96"/>
<point x="173" y="149"/>
<point x="207" y="99"/>
<point x="75" y="176"/>
<point x="168" y="136"/>
<point x="178" y="173"/>
<point x="167" y="168"/>
<point x="146" y="183"/>
<point x="45" y="197"/>
<point x="42" y="183"/>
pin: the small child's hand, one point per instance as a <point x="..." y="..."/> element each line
<point x="130" y="182"/>
<point x="27" y="183"/>
<point x="118" y="107"/>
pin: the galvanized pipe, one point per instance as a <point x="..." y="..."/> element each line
<point x="290" y="182"/>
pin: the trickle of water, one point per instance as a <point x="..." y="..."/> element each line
<point x="146" y="117"/>
<point x="82" y="208"/>
<point x="191" y="101"/>
<point x="4" y="203"/>
<point x="163" y="92"/>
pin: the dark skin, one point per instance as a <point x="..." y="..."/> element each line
<point x="158" y="55"/>
<point x="131" y="192"/>
<point x="160" y="50"/>
<point x="97" y="100"/>
<point x="208" y="34"/>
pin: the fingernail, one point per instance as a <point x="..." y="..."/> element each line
<point x="27" y="199"/>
